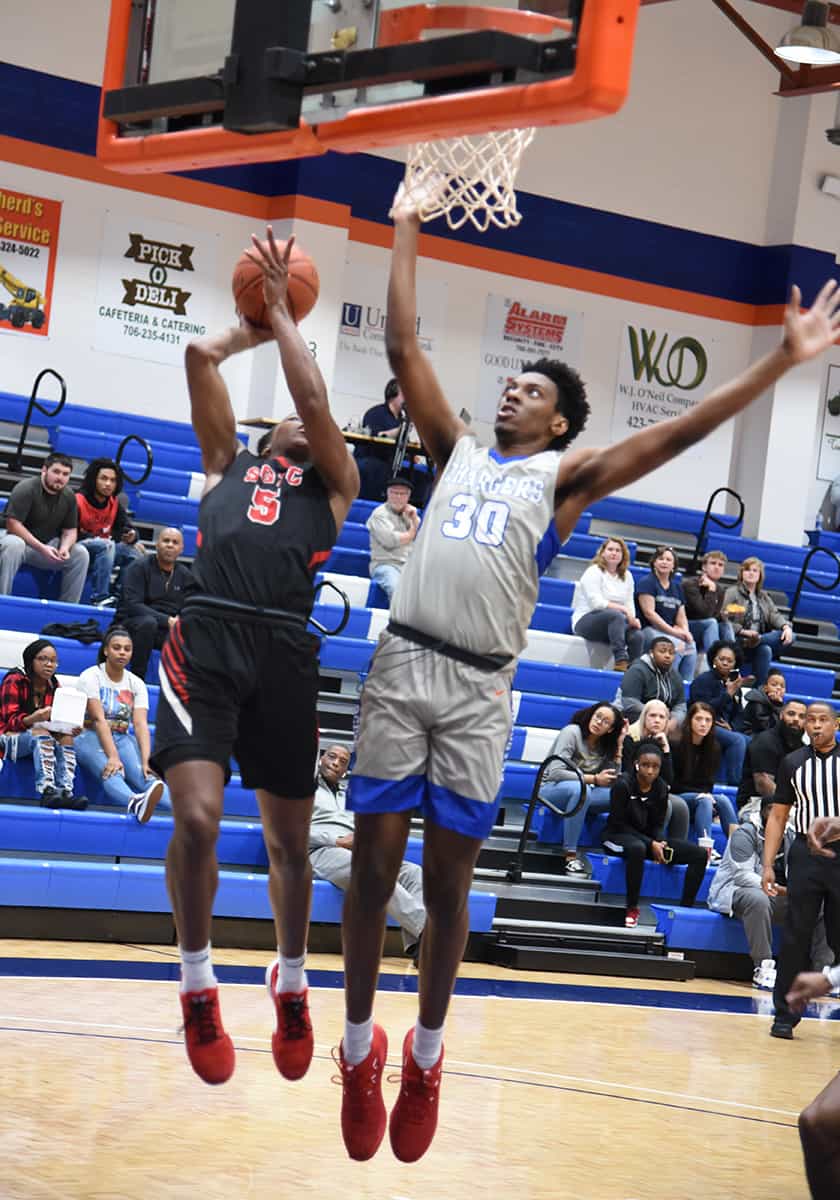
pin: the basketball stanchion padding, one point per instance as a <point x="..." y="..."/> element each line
<point x="301" y="296"/>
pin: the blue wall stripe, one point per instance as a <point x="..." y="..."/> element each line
<point x="62" y="114"/>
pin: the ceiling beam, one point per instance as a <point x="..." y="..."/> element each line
<point x="802" y="81"/>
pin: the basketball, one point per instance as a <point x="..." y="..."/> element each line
<point x="301" y="295"/>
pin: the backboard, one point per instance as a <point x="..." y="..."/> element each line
<point x="195" y="83"/>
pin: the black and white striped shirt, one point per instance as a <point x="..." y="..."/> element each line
<point x="810" y="781"/>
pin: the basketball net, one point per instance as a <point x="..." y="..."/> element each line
<point x="469" y="178"/>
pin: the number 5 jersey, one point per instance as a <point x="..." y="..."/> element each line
<point x="264" y="531"/>
<point x="472" y="576"/>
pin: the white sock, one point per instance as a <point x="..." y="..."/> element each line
<point x="427" y="1045"/>
<point x="196" y="970"/>
<point x="291" y="976"/>
<point x="356" y="1043"/>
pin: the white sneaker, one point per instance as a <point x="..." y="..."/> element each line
<point x="143" y="804"/>
<point x="764" y="975"/>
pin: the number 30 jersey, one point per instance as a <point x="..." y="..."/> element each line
<point x="472" y="577"/>
<point x="263" y="532"/>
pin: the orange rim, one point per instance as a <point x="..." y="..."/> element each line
<point x="400" y="25"/>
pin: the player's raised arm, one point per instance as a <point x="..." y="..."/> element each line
<point x="587" y="475"/>
<point x="436" y="423"/>
<point x="327" y="447"/>
<point x="213" y="418"/>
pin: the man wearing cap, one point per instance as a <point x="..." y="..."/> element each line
<point x="392" y="527"/>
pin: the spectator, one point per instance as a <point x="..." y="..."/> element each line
<point x="766" y="751"/>
<point x="661" y="603"/>
<point x="40" y="530"/>
<point x="636" y="830"/>
<point x="762" y="706"/>
<point x="808" y="784"/>
<point x="653" y="677"/>
<point x="696" y="756"/>
<point x="25" y="707"/>
<point x="153" y="594"/>
<point x="592" y="741"/>
<point x="603" y="608"/>
<point x="652" y="726"/>
<point x="331" y="843"/>
<point x="704" y="602"/>
<point x="760" y="629"/>
<point x="107" y="748"/>
<point x="105" y="530"/>
<point x="392" y="527"/>
<point x="719" y="688"/>
<point x="383" y="421"/>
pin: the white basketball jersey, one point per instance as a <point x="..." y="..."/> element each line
<point x="471" y="578"/>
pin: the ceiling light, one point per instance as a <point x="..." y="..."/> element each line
<point x="812" y="42"/>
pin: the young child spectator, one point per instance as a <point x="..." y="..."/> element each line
<point x="704" y="602"/>
<point x="762" y="706"/>
<point x="40" y="530"/>
<point x="696" y="757"/>
<point x="652" y="726"/>
<point x="153" y="593"/>
<point x="392" y="527"/>
<point x="105" y="530"/>
<point x="736" y="891"/>
<point x="25" y="706"/>
<point x="719" y="687"/>
<point x="603" y="609"/>
<point x="636" y="830"/>
<point x="592" y="741"/>
<point x="661" y="602"/>
<point x="760" y="629"/>
<point x="653" y="677"/>
<point x="107" y="748"/>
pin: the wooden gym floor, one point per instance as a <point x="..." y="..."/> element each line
<point x="555" y="1086"/>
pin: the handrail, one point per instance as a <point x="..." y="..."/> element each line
<point x="345" y="615"/>
<point x="514" y="871"/>
<point x="804" y="577"/>
<point x="15" y="461"/>
<point x="150" y="461"/>
<point x="708" y="516"/>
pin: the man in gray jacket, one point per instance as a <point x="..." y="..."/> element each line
<point x="653" y="677"/>
<point x="331" y="844"/>
<point x="736" y="892"/>
<point x="392" y="527"/>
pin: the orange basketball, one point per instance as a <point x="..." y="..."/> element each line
<point x="248" y="287"/>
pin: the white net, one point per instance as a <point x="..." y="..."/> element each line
<point x="469" y="178"/>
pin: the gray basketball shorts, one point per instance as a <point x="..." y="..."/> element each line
<point x="432" y="735"/>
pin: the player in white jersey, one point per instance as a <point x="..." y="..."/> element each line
<point x="435" y="709"/>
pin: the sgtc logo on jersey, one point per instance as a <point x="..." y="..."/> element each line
<point x="264" y="507"/>
<point x="267" y="475"/>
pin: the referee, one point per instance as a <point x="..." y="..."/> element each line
<point x="808" y="781"/>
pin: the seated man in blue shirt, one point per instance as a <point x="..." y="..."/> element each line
<point x="375" y="462"/>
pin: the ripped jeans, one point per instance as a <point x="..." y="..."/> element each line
<point x="55" y="765"/>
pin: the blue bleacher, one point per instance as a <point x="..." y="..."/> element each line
<point x="701" y="929"/>
<point x="627" y="511"/>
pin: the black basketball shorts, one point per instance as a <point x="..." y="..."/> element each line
<point x="243" y="689"/>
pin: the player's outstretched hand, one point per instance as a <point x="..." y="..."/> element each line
<point x="805" y="987"/>
<point x="808" y="334"/>
<point x="823" y="830"/>
<point x="418" y="195"/>
<point x="274" y="264"/>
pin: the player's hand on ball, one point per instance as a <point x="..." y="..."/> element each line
<point x="274" y="264"/>
<point x="805" y="987"/>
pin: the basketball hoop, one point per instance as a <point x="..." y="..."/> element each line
<point x="470" y="178"/>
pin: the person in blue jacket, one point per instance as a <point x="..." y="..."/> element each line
<point x="719" y="687"/>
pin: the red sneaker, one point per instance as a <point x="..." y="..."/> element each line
<point x="414" y="1116"/>
<point x="363" y="1115"/>
<point x="209" y="1048"/>
<point x="631" y="920"/>
<point x="291" y="1042"/>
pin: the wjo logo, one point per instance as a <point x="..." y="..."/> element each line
<point x="684" y="365"/>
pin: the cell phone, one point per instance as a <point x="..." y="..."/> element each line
<point x="733" y="675"/>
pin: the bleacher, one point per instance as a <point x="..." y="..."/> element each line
<point x="101" y="860"/>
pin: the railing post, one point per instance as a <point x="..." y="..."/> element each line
<point x="803" y="576"/>
<point x="514" y="871"/>
<point x="15" y="461"/>
<point x="709" y="516"/>
<point x="133" y="437"/>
